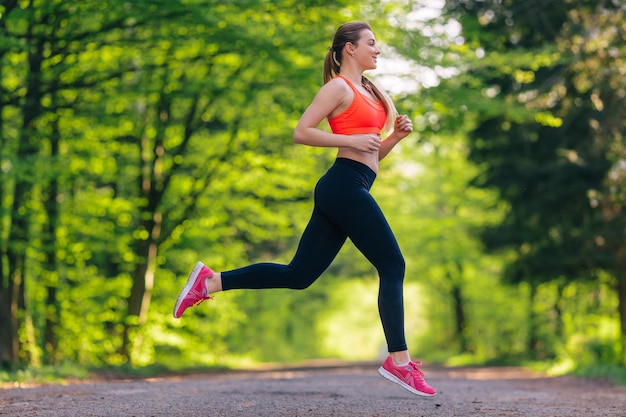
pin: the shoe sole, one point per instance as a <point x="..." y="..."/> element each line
<point x="190" y="281"/>
<point x="391" y="377"/>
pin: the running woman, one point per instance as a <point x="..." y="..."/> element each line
<point x="358" y="112"/>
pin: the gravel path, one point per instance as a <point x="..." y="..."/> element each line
<point x="342" y="391"/>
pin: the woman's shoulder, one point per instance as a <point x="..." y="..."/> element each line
<point x="334" y="94"/>
<point x="338" y="83"/>
<point x="338" y="86"/>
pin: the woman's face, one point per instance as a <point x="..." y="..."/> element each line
<point x="365" y="51"/>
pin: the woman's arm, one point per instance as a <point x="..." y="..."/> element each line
<point x="333" y="98"/>
<point x="329" y="98"/>
<point x="401" y="129"/>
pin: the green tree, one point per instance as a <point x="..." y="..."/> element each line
<point x="125" y="127"/>
<point x="43" y="43"/>
<point x="205" y="126"/>
<point x="552" y="144"/>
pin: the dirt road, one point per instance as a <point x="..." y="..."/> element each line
<point x="341" y="391"/>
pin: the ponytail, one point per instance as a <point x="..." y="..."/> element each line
<point x="332" y="64"/>
<point x="390" y="108"/>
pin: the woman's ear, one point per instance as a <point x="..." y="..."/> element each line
<point x="350" y="48"/>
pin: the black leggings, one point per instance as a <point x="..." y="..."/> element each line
<point x="343" y="208"/>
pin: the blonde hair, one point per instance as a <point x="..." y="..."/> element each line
<point x="351" y="32"/>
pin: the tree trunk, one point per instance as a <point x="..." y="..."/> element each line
<point x="459" y="312"/>
<point x="19" y="233"/>
<point x="51" y="205"/>
<point x="621" y="292"/>
<point x="139" y="301"/>
<point x="151" y="187"/>
<point x="558" y="311"/>
<point x="533" y="338"/>
<point x="459" y="307"/>
<point x="8" y="323"/>
<point x="9" y="346"/>
<point x="620" y="275"/>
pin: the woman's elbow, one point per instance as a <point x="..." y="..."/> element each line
<point x="298" y="136"/>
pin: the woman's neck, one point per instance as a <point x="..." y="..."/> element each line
<point x="353" y="75"/>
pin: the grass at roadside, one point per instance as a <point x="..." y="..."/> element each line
<point x="615" y="374"/>
<point x="64" y="374"/>
<point x="41" y="375"/>
<point x="71" y="373"/>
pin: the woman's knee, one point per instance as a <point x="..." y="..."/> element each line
<point x="393" y="270"/>
<point x="301" y="285"/>
<point x="302" y="279"/>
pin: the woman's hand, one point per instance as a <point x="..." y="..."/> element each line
<point x="401" y="129"/>
<point x="368" y="142"/>
<point x="403" y="126"/>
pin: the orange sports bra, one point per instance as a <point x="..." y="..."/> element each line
<point x="364" y="115"/>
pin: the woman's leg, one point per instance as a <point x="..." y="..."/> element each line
<point x="343" y="207"/>
<point x="377" y="242"/>
<point x="362" y="220"/>
<point x="319" y="244"/>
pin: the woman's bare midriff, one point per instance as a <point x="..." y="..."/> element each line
<point x="366" y="158"/>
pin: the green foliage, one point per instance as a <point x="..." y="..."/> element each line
<point x="42" y="374"/>
<point x="143" y="136"/>
<point x="547" y="143"/>
<point x="152" y="140"/>
<point x="615" y="374"/>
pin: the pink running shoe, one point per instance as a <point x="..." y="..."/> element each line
<point x="195" y="290"/>
<point x="408" y="377"/>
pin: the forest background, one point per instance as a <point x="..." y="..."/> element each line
<point x="137" y="137"/>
